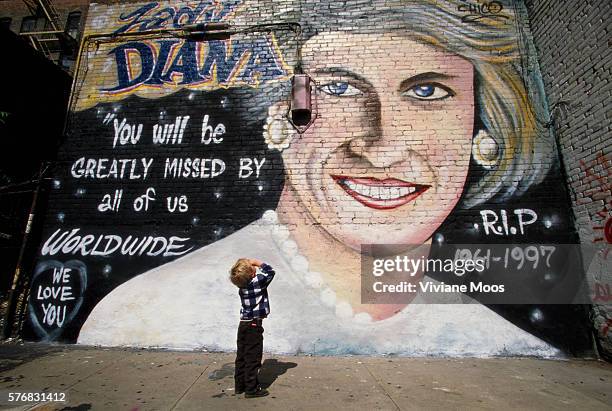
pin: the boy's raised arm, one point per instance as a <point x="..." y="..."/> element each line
<point x="267" y="274"/>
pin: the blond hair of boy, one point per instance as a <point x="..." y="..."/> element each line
<point x="242" y="272"/>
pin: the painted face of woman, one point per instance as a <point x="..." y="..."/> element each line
<point x="387" y="157"/>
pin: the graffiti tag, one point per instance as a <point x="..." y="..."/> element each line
<point x="602" y="293"/>
<point x="485" y="10"/>
<point x="598" y="173"/>
<point x="606" y="327"/>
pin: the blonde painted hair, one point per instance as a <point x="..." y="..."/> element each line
<point x="241" y="273"/>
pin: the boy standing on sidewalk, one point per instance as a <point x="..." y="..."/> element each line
<point x="255" y="307"/>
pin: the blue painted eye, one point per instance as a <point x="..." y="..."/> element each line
<point x="340" y="88"/>
<point x="428" y="92"/>
<point x="424" y="91"/>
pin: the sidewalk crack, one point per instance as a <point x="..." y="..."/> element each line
<point x="188" y="388"/>
<point x="382" y="387"/>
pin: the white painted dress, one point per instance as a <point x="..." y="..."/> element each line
<point x="190" y="304"/>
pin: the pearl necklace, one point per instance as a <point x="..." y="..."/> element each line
<point x="299" y="264"/>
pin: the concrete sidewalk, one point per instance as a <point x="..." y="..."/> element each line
<point x="133" y="379"/>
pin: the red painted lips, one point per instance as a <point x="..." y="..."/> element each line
<point x="380" y="194"/>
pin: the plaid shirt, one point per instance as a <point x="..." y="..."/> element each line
<point x="254" y="297"/>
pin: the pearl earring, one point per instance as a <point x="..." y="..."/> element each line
<point x="485" y="150"/>
<point x="277" y="131"/>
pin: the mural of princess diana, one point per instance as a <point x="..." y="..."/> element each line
<point x="406" y="113"/>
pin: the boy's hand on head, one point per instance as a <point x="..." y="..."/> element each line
<point x="255" y="262"/>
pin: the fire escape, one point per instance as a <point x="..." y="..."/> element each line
<point x="46" y="33"/>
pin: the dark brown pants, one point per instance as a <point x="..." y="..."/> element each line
<point x="248" y="355"/>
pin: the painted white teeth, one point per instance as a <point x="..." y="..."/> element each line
<point x="380" y="193"/>
<point x="385" y="193"/>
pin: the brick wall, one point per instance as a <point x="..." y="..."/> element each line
<point x="573" y="42"/>
<point x="427" y="134"/>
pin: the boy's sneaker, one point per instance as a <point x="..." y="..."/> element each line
<point x="239" y="391"/>
<point x="260" y="392"/>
